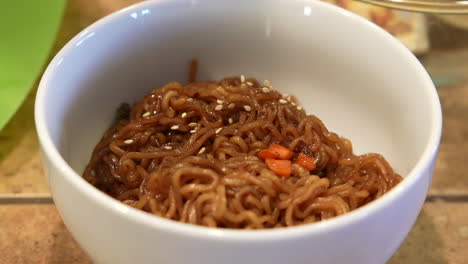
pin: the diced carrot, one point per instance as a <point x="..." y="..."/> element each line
<point x="305" y="161"/>
<point x="281" y="152"/>
<point x="280" y="167"/>
<point x="267" y="154"/>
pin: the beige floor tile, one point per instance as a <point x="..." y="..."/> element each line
<point x="440" y="236"/>
<point x="450" y="174"/>
<point x="21" y="168"/>
<point x="36" y="234"/>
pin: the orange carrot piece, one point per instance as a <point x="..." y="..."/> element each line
<point x="267" y="154"/>
<point x="280" y="167"/>
<point x="305" y="161"/>
<point x="281" y="152"/>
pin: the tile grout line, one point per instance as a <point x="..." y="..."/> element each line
<point x="454" y="198"/>
<point x="45" y="198"/>
<point x="37" y="198"/>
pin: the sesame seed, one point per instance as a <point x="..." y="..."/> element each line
<point x="189" y="99"/>
<point x="193" y="131"/>
<point x="128" y="141"/>
<point x="285" y="95"/>
<point x="167" y="147"/>
<point x="282" y="101"/>
<point x="202" y="150"/>
<point x="242" y="78"/>
<point x="247" y="108"/>
<point x="155" y="112"/>
<point x="146" y="114"/>
<point x="219" y="107"/>
<point x="299" y="108"/>
<point x="223" y="169"/>
<point x="249" y="83"/>
<point x="266" y="90"/>
<point x="267" y="83"/>
<point x="230" y="120"/>
<point x="175" y="127"/>
<point x="289" y="98"/>
<point x="218" y="130"/>
<point x="219" y="101"/>
<point x="114" y="159"/>
<point x="231" y="105"/>
<point x="243" y="86"/>
<point x="183" y="115"/>
<point x="293" y="103"/>
<point x="192" y="124"/>
<point x="92" y="173"/>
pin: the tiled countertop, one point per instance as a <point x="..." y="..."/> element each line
<point x="31" y="230"/>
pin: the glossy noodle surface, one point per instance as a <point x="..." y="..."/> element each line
<point x="193" y="154"/>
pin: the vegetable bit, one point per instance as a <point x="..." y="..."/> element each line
<point x="276" y="151"/>
<point x="278" y="160"/>
<point x="280" y="167"/>
<point x="305" y="161"/>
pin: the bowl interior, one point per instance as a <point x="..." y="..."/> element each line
<point x="361" y="83"/>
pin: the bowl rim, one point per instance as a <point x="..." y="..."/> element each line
<point x="182" y="229"/>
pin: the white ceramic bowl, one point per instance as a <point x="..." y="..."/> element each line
<point x="362" y="82"/>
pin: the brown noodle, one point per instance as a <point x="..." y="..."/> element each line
<point x="188" y="153"/>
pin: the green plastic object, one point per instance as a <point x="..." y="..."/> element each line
<point x="27" y="34"/>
